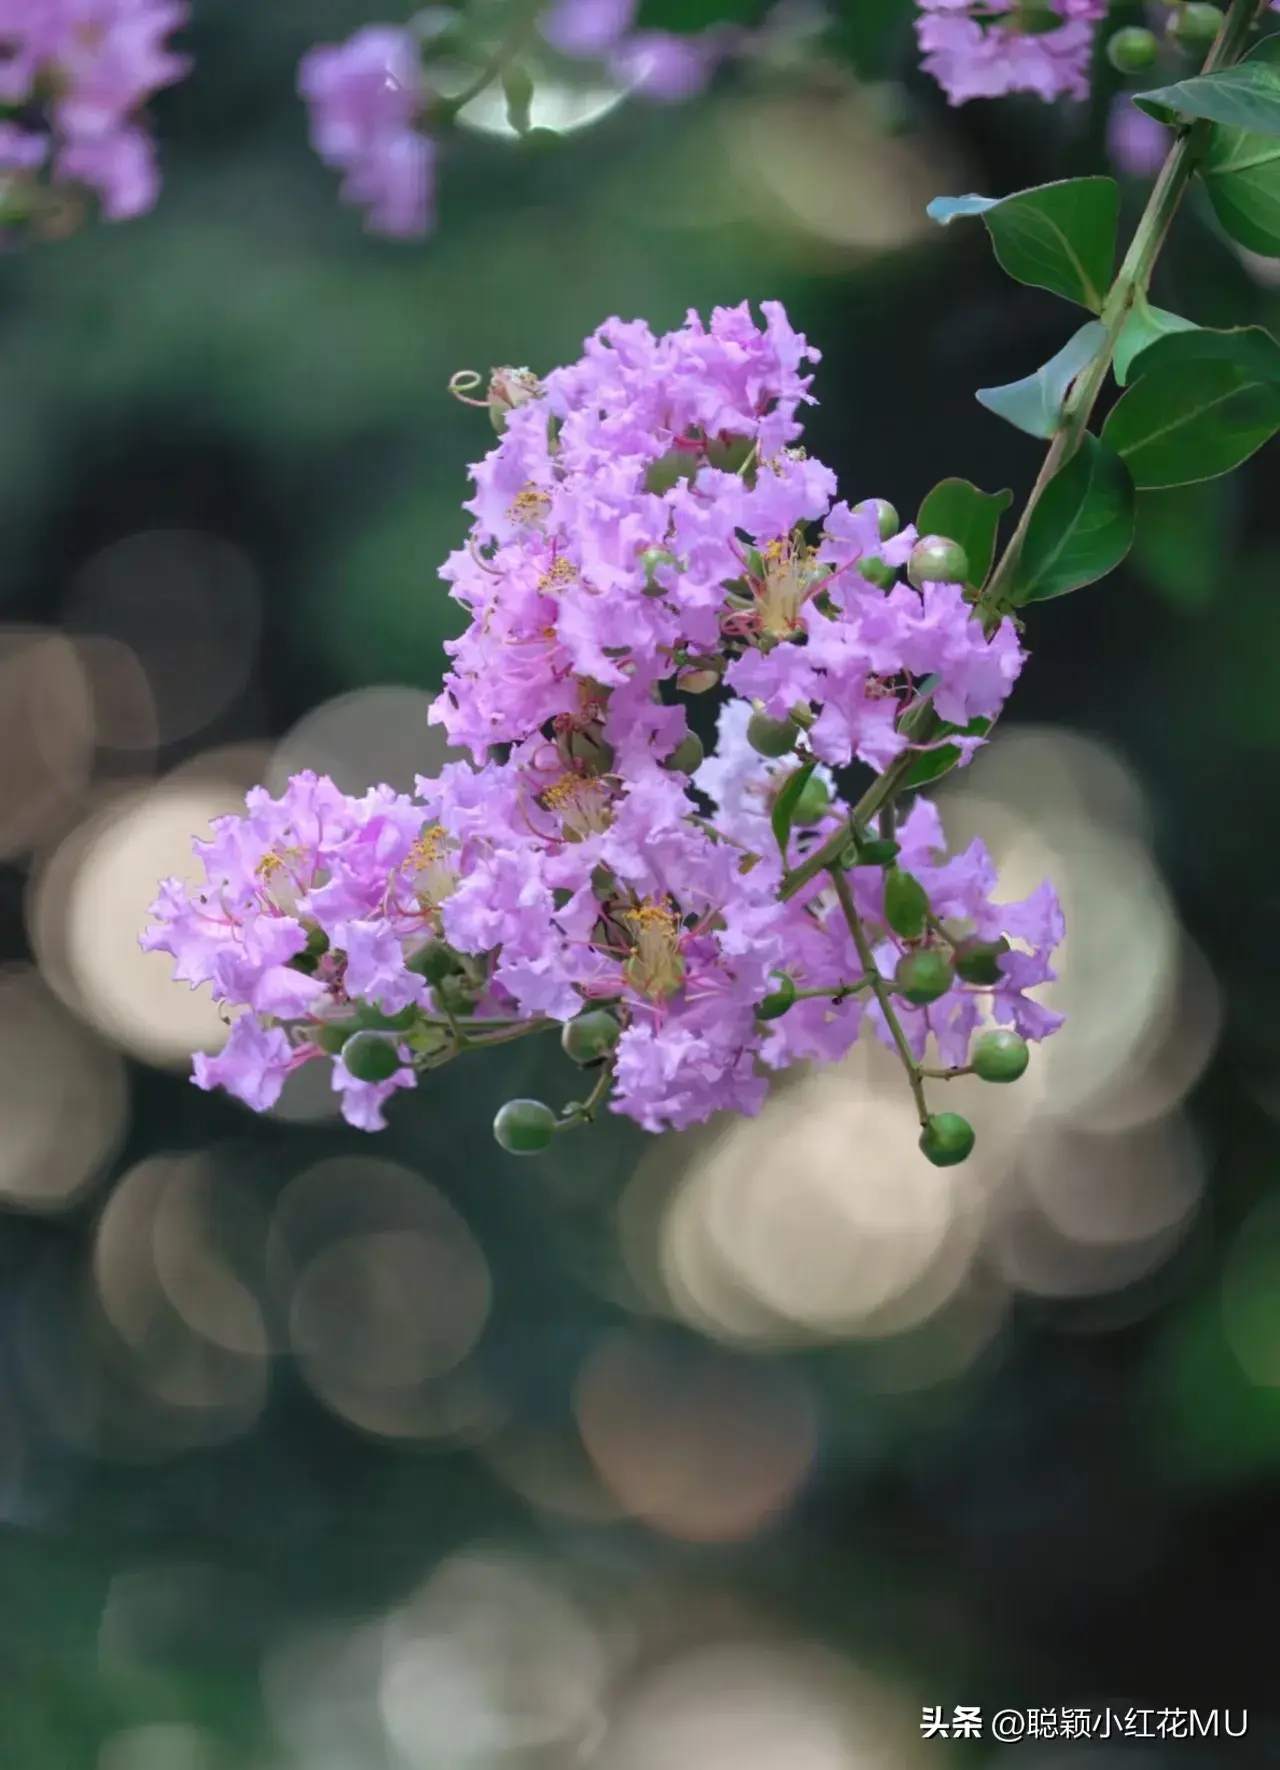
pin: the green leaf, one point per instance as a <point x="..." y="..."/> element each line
<point x="1143" y="327"/>
<point x="1035" y="404"/>
<point x="971" y="518"/>
<point x="931" y="765"/>
<point x="1060" y="237"/>
<point x="1081" y="528"/>
<point x="1241" y="173"/>
<point x="1202" y="403"/>
<point x="784" y="806"/>
<point x="1246" y="96"/>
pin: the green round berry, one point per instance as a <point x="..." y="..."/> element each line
<point x="1035" y="18"/>
<point x="886" y="517"/>
<point x="1131" y="50"/>
<point x="591" y="1036"/>
<point x="686" y="758"/>
<point x="772" y="737"/>
<point x="878" y="572"/>
<point x="775" y="1005"/>
<point x="812" y="805"/>
<point x="978" y="961"/>
<point x="435" y="961"/>
<point x="1196" y="26"/>
<point x="922" y="977"/>
<point x="935" y="560"/>
<point x="1000" y="1056"/>
<point x="524" y="1127"/>
<point x="371" y="1058"/>
<point x="906" y="907"/>
<point x="947" y="1139"/>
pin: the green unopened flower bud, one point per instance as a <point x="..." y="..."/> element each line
<point x="776" y="1003"/>
<point x="455" y="995"/>
<point x="880" y="851"/>
<point x="697" y="681"/>
<point x="814" y="801"/>
<point x="1034" y="18"/>
<point x="333" y="1034"/>
<point x="977" y="961"/>
<point x="517" y="89"/>
<point x="377" y="1021"/>
<point x="509" y="388"/>
<point x="524" y="1127"/>
<point x="947" y="1139"/>
<point x="670" y="469"/>
<point x="730" y="454"/>
<point x="686" y="758"/>
<point x="936" y="560"/>
<point x="591" y="1036"/>
<point x="1000" y="1056"/>
<point x="1196" y="26"/>
<point x="906" y="906"/>
<point x="922" y="977"/>
<point x="435" y="961"/>
<point x="1131" y="50"/>
<point x="772" y="737"/>
<point x="878" y="571"/>
<point x="370" y="1057"/>
<point x="884" y="513"/>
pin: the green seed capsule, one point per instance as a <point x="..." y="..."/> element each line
<point x="1000" y="1056"/>
<point x="935" y="560"/>
<point x="1132" y="50"/>
<point x="922" y="977"/>
<point x="812" y="805"/>
<point x="435" y="961"/>
<point x="977" y="961"/>
<point x="771" y="737"/>
<point x="373" y="1019"/>
<point x="884" y="513"/>
<point x="879" y="572"/>
<point x="591" y="1036"/>
<point x="370" y="1057"/>
<point x="947" y="1139"/>
<point x="775" y="1005"/>
<point x="686" y="758"/>
<point x="1196" y="26"/>
<point x="906" y="906"/>
<point x="524" y="1127"/>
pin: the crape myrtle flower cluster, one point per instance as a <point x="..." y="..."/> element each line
<point x="647" y="527"/>
<point x="74" y="76"/>
<point x="989" y="48"/>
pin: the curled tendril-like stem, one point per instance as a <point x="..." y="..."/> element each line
<point x="463" y="383"/>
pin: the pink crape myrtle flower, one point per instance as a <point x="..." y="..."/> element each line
<point x="88" y="67"/>
<point x="978" y="48"/>
<point x="365" y="97"/>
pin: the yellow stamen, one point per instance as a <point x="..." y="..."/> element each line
<point x="582" y="803"/>
<point x="530" y="505"/>
<point x="656" y="965"/>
